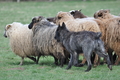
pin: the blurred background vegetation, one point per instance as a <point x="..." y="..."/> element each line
<point x="57" y="0"/>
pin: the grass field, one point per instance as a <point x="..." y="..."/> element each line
<point x="23" y="12"/>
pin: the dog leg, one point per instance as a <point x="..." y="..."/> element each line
<point x="70" y="62"/>
<point x="102" y="54"/>
<point x="87" y="54"/>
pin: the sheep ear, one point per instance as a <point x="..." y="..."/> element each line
<point x="108" y="11"/>
<point x="80" y="10"/>
<point x="8" y="26"/>
<point x="72" y="12"/>
<point x="95" y="15"/>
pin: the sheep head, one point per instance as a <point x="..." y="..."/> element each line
<point x="77" y="14"/>
<point x="101" y="13"/>
<point x="35" y="20"/>
<point x="6" y="29"/>
<point x="51" y="19"/>
<point x="63" y="17"/>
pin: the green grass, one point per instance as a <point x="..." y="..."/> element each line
<point x="23" y="12"/>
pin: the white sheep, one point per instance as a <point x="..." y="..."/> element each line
<point x="20" y="38"/>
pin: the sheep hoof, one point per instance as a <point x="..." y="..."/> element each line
<point x="86" y="70"/>
<point x="79" y="65"/>
<point x="68" y="68"/>
<point x="20" y="64"/>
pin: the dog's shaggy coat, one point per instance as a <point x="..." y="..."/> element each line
<point x="81" y="42"/>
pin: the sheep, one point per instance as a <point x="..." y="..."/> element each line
<point x="77" y="14"/>
<point x="101" y="23"/>
<point x="103" y="14"/>
<point x="81" y="42"/>
<point x="105" y="17"/>
<point x="76" y="24"/>
<point x="112" y="36"/>
<point x="21" y="44"/>
<point x="43" y="39"/>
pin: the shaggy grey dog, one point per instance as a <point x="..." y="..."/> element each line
<point x="81" y="42"/>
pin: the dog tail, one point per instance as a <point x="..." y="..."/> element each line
<point x="98" y="35"/>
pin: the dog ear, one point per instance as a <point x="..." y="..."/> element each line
<point x="99" y="34"/>
<point x="63" y="25"/>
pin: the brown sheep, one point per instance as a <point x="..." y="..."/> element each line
<point x="112" y="36"/>
<point x="101" y="24"/>
<point x="77" y="14"/>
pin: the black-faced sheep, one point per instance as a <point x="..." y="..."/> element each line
<point x="77" y="14"/>
<point x="21" y="40"/>
<point x="81" y="42"/>
<point x="43" y="39"/>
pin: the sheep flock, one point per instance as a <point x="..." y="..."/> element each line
<point x="37" y="38"/>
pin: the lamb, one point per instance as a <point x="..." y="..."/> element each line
<point x="43" y="39"/>
<point x="21" y="44"/>
<point x="81" y="42"/>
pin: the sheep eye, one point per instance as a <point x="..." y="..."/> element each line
<point x="105" y="11"/>
<point x="100" y="15"/>
<point x="59" y="17"/>
<point x="72" y="13"/>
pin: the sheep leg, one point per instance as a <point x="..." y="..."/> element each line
<point x="62" y="61"/>
<point x="21" y="63"/>
<point x="56" y="60"/>
<point x="38" y="58"/>
<point x="118" y="60"/>
<point x="110" y="55"/>
<point x="97" y="60"/>
<point x="32" y="58"/>
<point x="114" y="58"/>
<point x="83" y="61"/>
